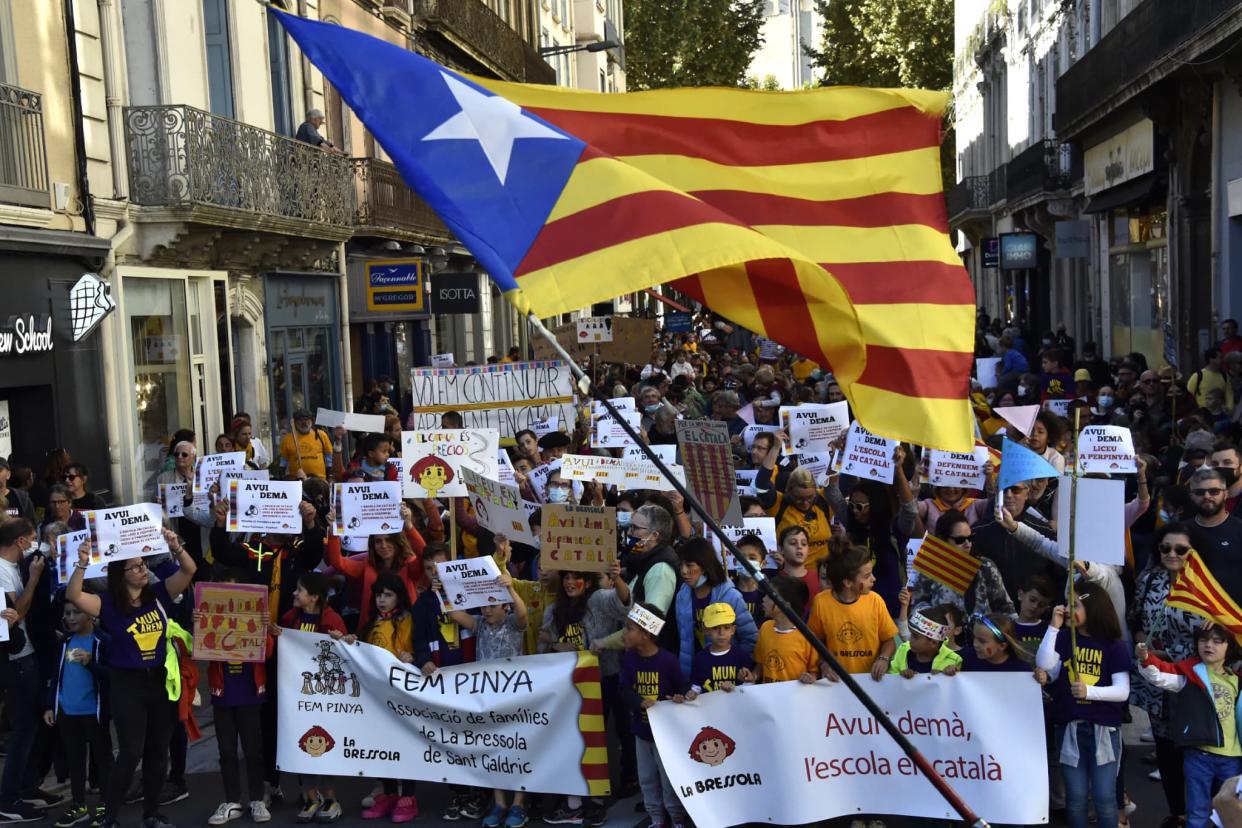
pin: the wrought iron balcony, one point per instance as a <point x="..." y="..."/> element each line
<point x="976" y="194"/>
<point x="23" y="154"/>
<point x="219" y="171"/>
<point x="1045" y="166"/>
<point x="387" y="208"/>
<point x="483" y="37"/>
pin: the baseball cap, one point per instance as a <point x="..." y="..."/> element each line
<point x="1082" y="375"/>
<point x="717" y="615"/>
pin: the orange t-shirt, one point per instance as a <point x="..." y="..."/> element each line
<point x="853" y="632"/>
<point x="784" y="655"/>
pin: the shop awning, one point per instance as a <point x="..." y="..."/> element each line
<point x="1137" y="192"/>
<point x="667" y="301"/>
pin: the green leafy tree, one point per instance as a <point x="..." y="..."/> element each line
<point x="671" y="43"/>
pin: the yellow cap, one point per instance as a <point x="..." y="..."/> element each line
<point x="717" y="615"/>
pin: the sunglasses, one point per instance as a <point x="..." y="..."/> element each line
<point x="963" y="540"/>
<point x="183" y="454"/>
<point x="71" y="477"/>
<point x="1213" y="492"/>
<point x="858" y="507"/>
<point x="1179" y="548"/>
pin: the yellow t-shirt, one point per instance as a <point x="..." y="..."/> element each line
<point x="308" y="454"/>
<point x="803" y="368"/>
<point x="537" y="600"/>
<point x="852" y="632"/>
<point x="784" y="655"/>
<point x="1225" y="694"/>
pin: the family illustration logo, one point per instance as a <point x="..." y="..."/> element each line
<point x="712" y="747"/>
<point x="316" y="742"/>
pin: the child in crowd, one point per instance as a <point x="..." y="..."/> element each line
<point x="721" y="664"/>
<point x="851" y="620"/>
<point x="956" y="622"/>
<point x="77" y="706"/>
<point x="928" y="649"/>
<point x="310" y="613"/>
<point x="499" y="633"/>
<point x="756" y="552"/>
<point x="795" y="545"/>
<point x="391" y="627"/>
<point x="1203" y="716"/>
<point x="238" y="690"/>
<point x="1035" y="597"/>
<point x="649" y="673"/>
<point x="782" y="653"/>
<point x="995" y="646"/>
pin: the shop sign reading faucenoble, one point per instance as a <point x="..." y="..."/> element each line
<point x="395" y="285"/>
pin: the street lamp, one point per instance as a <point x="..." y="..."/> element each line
<point x="597" y="46"/>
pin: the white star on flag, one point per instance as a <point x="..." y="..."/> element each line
<point x="491" y="120"/>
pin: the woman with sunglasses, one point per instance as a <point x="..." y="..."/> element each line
<point x="194" y="524"/>
<point x="986" y="593"/>
<point x="1169" y="633"/>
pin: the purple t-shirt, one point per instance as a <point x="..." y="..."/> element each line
<point x="239" y="687"/>
<point x="754" y="603"/>
<point x="1097" y="661"/>
<point x="972" y="663"/>
<point x="138" y="636"/>
<point x="653" y="677"/>
<point x="1030" y="634"/>
<point x="709" y="669"/>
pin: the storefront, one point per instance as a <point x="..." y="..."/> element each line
<point x="388" y="321"/>
<point x="301" y="312"/>
<point x="51" y="387"/>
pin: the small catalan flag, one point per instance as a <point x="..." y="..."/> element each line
<point x="946" y="564"/>
<point x="1199" y="592"/>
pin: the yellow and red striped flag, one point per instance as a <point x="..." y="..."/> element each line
<point x="815" y="218"/>
<point x="1198" y="591"/>
<point x="946" y="563"/>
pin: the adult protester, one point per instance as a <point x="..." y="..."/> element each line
<point x="13" y="502"/>
<point x="651" y="566"/>
<point x="992" y="540"/>
<point x="308" y="451"/>
<point x="60" y="510"/>
<point x="801" y="503"/>
<point x="195" y="521"/>
<point x="77" y="478"/>
<point x="1230" y="341"/>
<point x="986" y="593"/>
<point x="1013" y="364"/>
<point x="705" y="582"/>
<point x="134" y="614"/>
<point x="1218" y="535"/>
<point x="399" y="553"/>
<point x="244" y="440"/>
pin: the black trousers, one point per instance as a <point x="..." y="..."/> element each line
<point x="243" y="721"/>
<point x="77" y="733"/>
<point x="1172" y="775"/>
<point x="144" y="720"/>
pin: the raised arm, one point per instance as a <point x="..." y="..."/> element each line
<point x="85" y="601"/>
<point x="179" y="580"/>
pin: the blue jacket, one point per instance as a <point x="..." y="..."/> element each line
<point x="747" y="633"/>
<point x="98" y="668"/>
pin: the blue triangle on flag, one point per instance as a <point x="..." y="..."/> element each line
<point x="1019" y="463"/>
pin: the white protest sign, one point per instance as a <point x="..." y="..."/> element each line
<point x="1106" y="449"/>
<point x="172" y="499"/>
<point x="434" y="459"/>
<point x="1100" y="529"/>
<point x="371" y="423"/>
<point x="507" y="397"/>
<point x="4" y="625"/>
<point x="242" y="474"/>
<point x="442" y="360"/>
<point x="357" y="711"/>
<point x="538" y="477"/>
<point x="770" y="351"/>
<point x="983" y="731"/>
<point x="812" y="427"/>
<point x="67" y="546"/>
<point x="126" y="532"/>
<point x="6" y="445"/>
<point x="265" y="506"/>
<point x="595" y="329"/>
<point x="957" y="469"/>
<point x="763" y="527"/>
<point x="398" y="467"/>
<point x="471" y="583"/>
<point x="666" y="452"/>
<point x="816" y="464"/>
<point x="498" y="508"/>
<point x="606" y="431"/>
<point x="748" y="433"/>
<point x="1058" y="407"/>
<point x="367" y="508"/>
<point x="745" y="481"/>
<point x="504" y="468"/>
<point x="987" y="371"/>
<point x="545" y="426"/>
<point x="208" y="467"/>
<point x="619" y="472"/>
<point x="868" y="456"/>
<point x="912" y="550"/>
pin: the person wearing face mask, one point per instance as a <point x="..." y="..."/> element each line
<point x="650" y="403"/>
<point x="13" y="502"/>
<point x="651" y="566"/>
<point x="558" y="491"/>
<point x="704" y="582"/>
<point x="1225" y="459"/>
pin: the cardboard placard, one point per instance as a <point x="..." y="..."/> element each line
<point x="812" y="427"/>
<point x="1107" y="450"/>
<point x="208" y="467"/>
<point x="434" y="459"/>
<point x="631" y="342"/>
<point x="230" y="622"/>
<point x="498" y="508"/>
<point x="367" y="508"/>
<point x="471" y="583"/>
<point x="172" y="499"/>
<point x="126" y="532"/>
<point x="592" y="329"/>
<point x="868" y="456"/>
<point x="707" y="457"/>
<point x="265" y="506"/>
<point x="577" y="538"/>
<point x="507" y="397"/>
<point x="620" y="472"/>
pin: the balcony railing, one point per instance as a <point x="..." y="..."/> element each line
<point x="386" y="206"/>
<point x="182" y="157"/>
<point x="23" y="154"/>
<point x="1045" y="166"/>
<point x="976" y="194"/>
<point x="483" y="34"/>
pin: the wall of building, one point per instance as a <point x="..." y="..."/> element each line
<point x="1227" y="177"/>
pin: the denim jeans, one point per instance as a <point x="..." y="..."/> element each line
<point x="1204" y="774"/>
<point x="658" y="793"/>
<point x="25" y="708"/>
<point x="1100" y="779"/>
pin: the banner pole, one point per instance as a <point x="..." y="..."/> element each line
<point x="1073" y="522"/>
<point x="925" y="767"/>
<point x="452" y="528"/>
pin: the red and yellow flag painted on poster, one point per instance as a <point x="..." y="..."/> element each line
<point x="1197" y="591"/>
<point x="947" y="564"/>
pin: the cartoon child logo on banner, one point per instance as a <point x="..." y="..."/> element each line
<point x="432" y="473"/>
<point x="711" y="747"/>
<point x="316" y="742"/>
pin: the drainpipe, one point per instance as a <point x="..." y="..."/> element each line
<point x="114" y="370"/>
<point x="79" y="132"/>
<point x="109" y="43"/>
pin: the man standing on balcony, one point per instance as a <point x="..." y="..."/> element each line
<point x="309" y="133"/>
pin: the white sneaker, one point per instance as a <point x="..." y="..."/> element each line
<point x="259" y="812"/>
<point x="1154" y="775"/>
<point x="227" y="812"/>
<point x="369" y="799"/>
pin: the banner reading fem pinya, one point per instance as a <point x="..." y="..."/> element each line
<point x="532" y="723"/>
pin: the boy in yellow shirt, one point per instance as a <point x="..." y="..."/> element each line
<point x="850" y="619"/>
<point x="782" y="653"/>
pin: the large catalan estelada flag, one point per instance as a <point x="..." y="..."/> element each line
<point x="815" y="218"/>
<point x="945" y="563"/>
<point x="1198" y="591"/>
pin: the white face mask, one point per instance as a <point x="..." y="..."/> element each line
<point x="1106" y="401"/>
<point x="557" y="494"/>
<point x="1022" y="390"/>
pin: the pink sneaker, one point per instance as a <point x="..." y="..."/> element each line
<point x="406" y="810"/>
<point x="384" y="803"/>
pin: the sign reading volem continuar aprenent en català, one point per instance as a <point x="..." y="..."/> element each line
<point x="508" y="397"/>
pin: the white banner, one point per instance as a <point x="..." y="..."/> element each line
<point x="1106" y="449"/>
<point x="471" y="583"/>
<point x="812" y="427"/>
<point x="511" y="724"/>
<point x="507" y="397"/>
<point x="789" y="753"/>
<point x="615" y="471"/>
<point x="127" y="532"/>
<point x="367" y="508"/>
<point x="498" y="508"/>
<point x="867" y="455"/>
<point x="265" y="506"/>
<point x="207" y="469"/>
<point x="434" y="459"/>
<point x="957" y="469"/>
